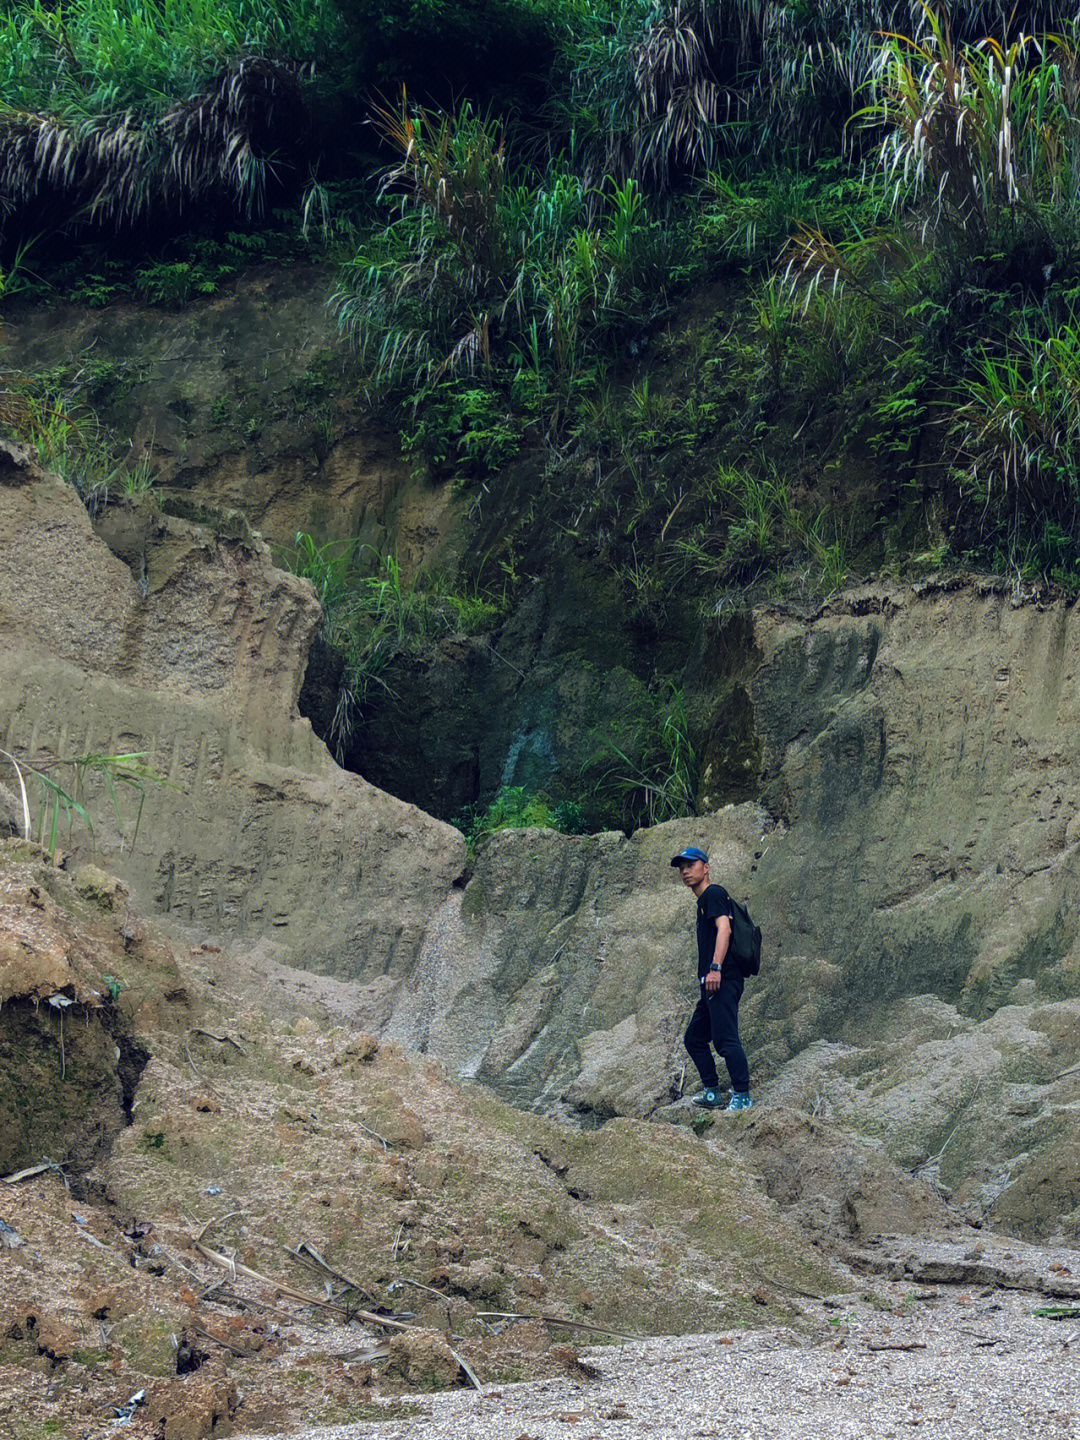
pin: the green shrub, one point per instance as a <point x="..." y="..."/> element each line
<point x="460" y="427"/>
<point x="516" y="808"/>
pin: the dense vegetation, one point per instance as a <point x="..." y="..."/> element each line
<point x="763" y="292"/>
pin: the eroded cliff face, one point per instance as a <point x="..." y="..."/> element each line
<point x="914" y="865"/>
<point x="912" y="858"/>
<point x="194" y="653"/>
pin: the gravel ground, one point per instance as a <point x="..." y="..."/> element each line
<point x="980" y="1365"/>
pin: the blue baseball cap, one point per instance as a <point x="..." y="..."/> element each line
<point x="692" y="852"/>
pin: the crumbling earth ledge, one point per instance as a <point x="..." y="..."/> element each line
<point x="194" y="653"/>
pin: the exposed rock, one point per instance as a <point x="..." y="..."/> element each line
<point x="192" y="1406"/>
<point x="913" y="861"/>
<point x="423" y="1359"/>
<point x="99" y="887"/>
<point x="18" y="464"/>
<point x="55" y="1338"/>
<point x="233" y="417"/>
<point x="65" y="1058"/>
<point x="198" y="665"/>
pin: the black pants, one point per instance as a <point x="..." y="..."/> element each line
<point x="716" y="1019"/>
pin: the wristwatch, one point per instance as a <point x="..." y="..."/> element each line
<point x="714" y="966"/>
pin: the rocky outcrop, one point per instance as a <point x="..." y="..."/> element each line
<point x="241" y="402"/>
<point x="193" y="653"/>
<point x="68" y="1059"/>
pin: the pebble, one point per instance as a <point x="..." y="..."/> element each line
<point x="1009" y="1376"/>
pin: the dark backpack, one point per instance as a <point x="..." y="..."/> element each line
<point x="745" y="939"/>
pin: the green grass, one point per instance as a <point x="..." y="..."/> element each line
<point x="85" y="59"/>
<point x="373" y="615"/>
<point x="523" y="286"/>
<point x="47" y="810"/>
<point x="656" y="775"/>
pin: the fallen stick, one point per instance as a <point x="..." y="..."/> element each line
<point x="555" y="1320"/>
<point x="219" y="1295"/>
<point x="374" y="1135"/>
<point x="92" y="1238"/>
<point x="467" y="1370"/>
<point x="308" y="1255"/>
<point x="30" y="1172"/>
<point x="896" y="1345"/>
<point x="226" y="1344"/>
<point x="221" y="1039"/>
<point x="237" y="1267"/>
<point x="404" y="1280"/>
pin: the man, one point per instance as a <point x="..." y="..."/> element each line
<point x="716" y="1017"/>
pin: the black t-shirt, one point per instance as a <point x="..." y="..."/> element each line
<point x="712" y="903"/>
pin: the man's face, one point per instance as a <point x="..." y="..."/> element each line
<point x="692" y="872"/>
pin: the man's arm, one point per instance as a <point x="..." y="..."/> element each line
<point x="723" y="940"/>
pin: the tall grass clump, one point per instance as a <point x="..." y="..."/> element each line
<point x="1018" y="430"/>
<point x="58" y="805"/>
<point x="481" y="278"/>
<point x="373" y="614"/>
<point x="658" y="89"/>
<point x="656" y="774"/>
<point x="972" y="281"/>
<point x="986" y="137"/>
<point x="117" y="115"/>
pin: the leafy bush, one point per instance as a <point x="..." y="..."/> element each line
<point x="117" y="114"/>
<point x="49" y="411"/>
<point x="516" y="808"/>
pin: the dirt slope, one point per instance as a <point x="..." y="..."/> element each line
<point x="158" y="1258"/>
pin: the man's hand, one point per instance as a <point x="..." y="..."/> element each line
<point x="723" y="940"/>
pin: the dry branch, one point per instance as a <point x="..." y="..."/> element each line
<point x="221" y="1039"/>
<point x="237" y="1267"/>
<point x="308" y="1255"/>
<point x="30" y="1172"/>
<point x="556" y="1320"/>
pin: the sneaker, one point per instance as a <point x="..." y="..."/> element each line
<point x="738" y="1101"/>
<point x="708" y="1100"/>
